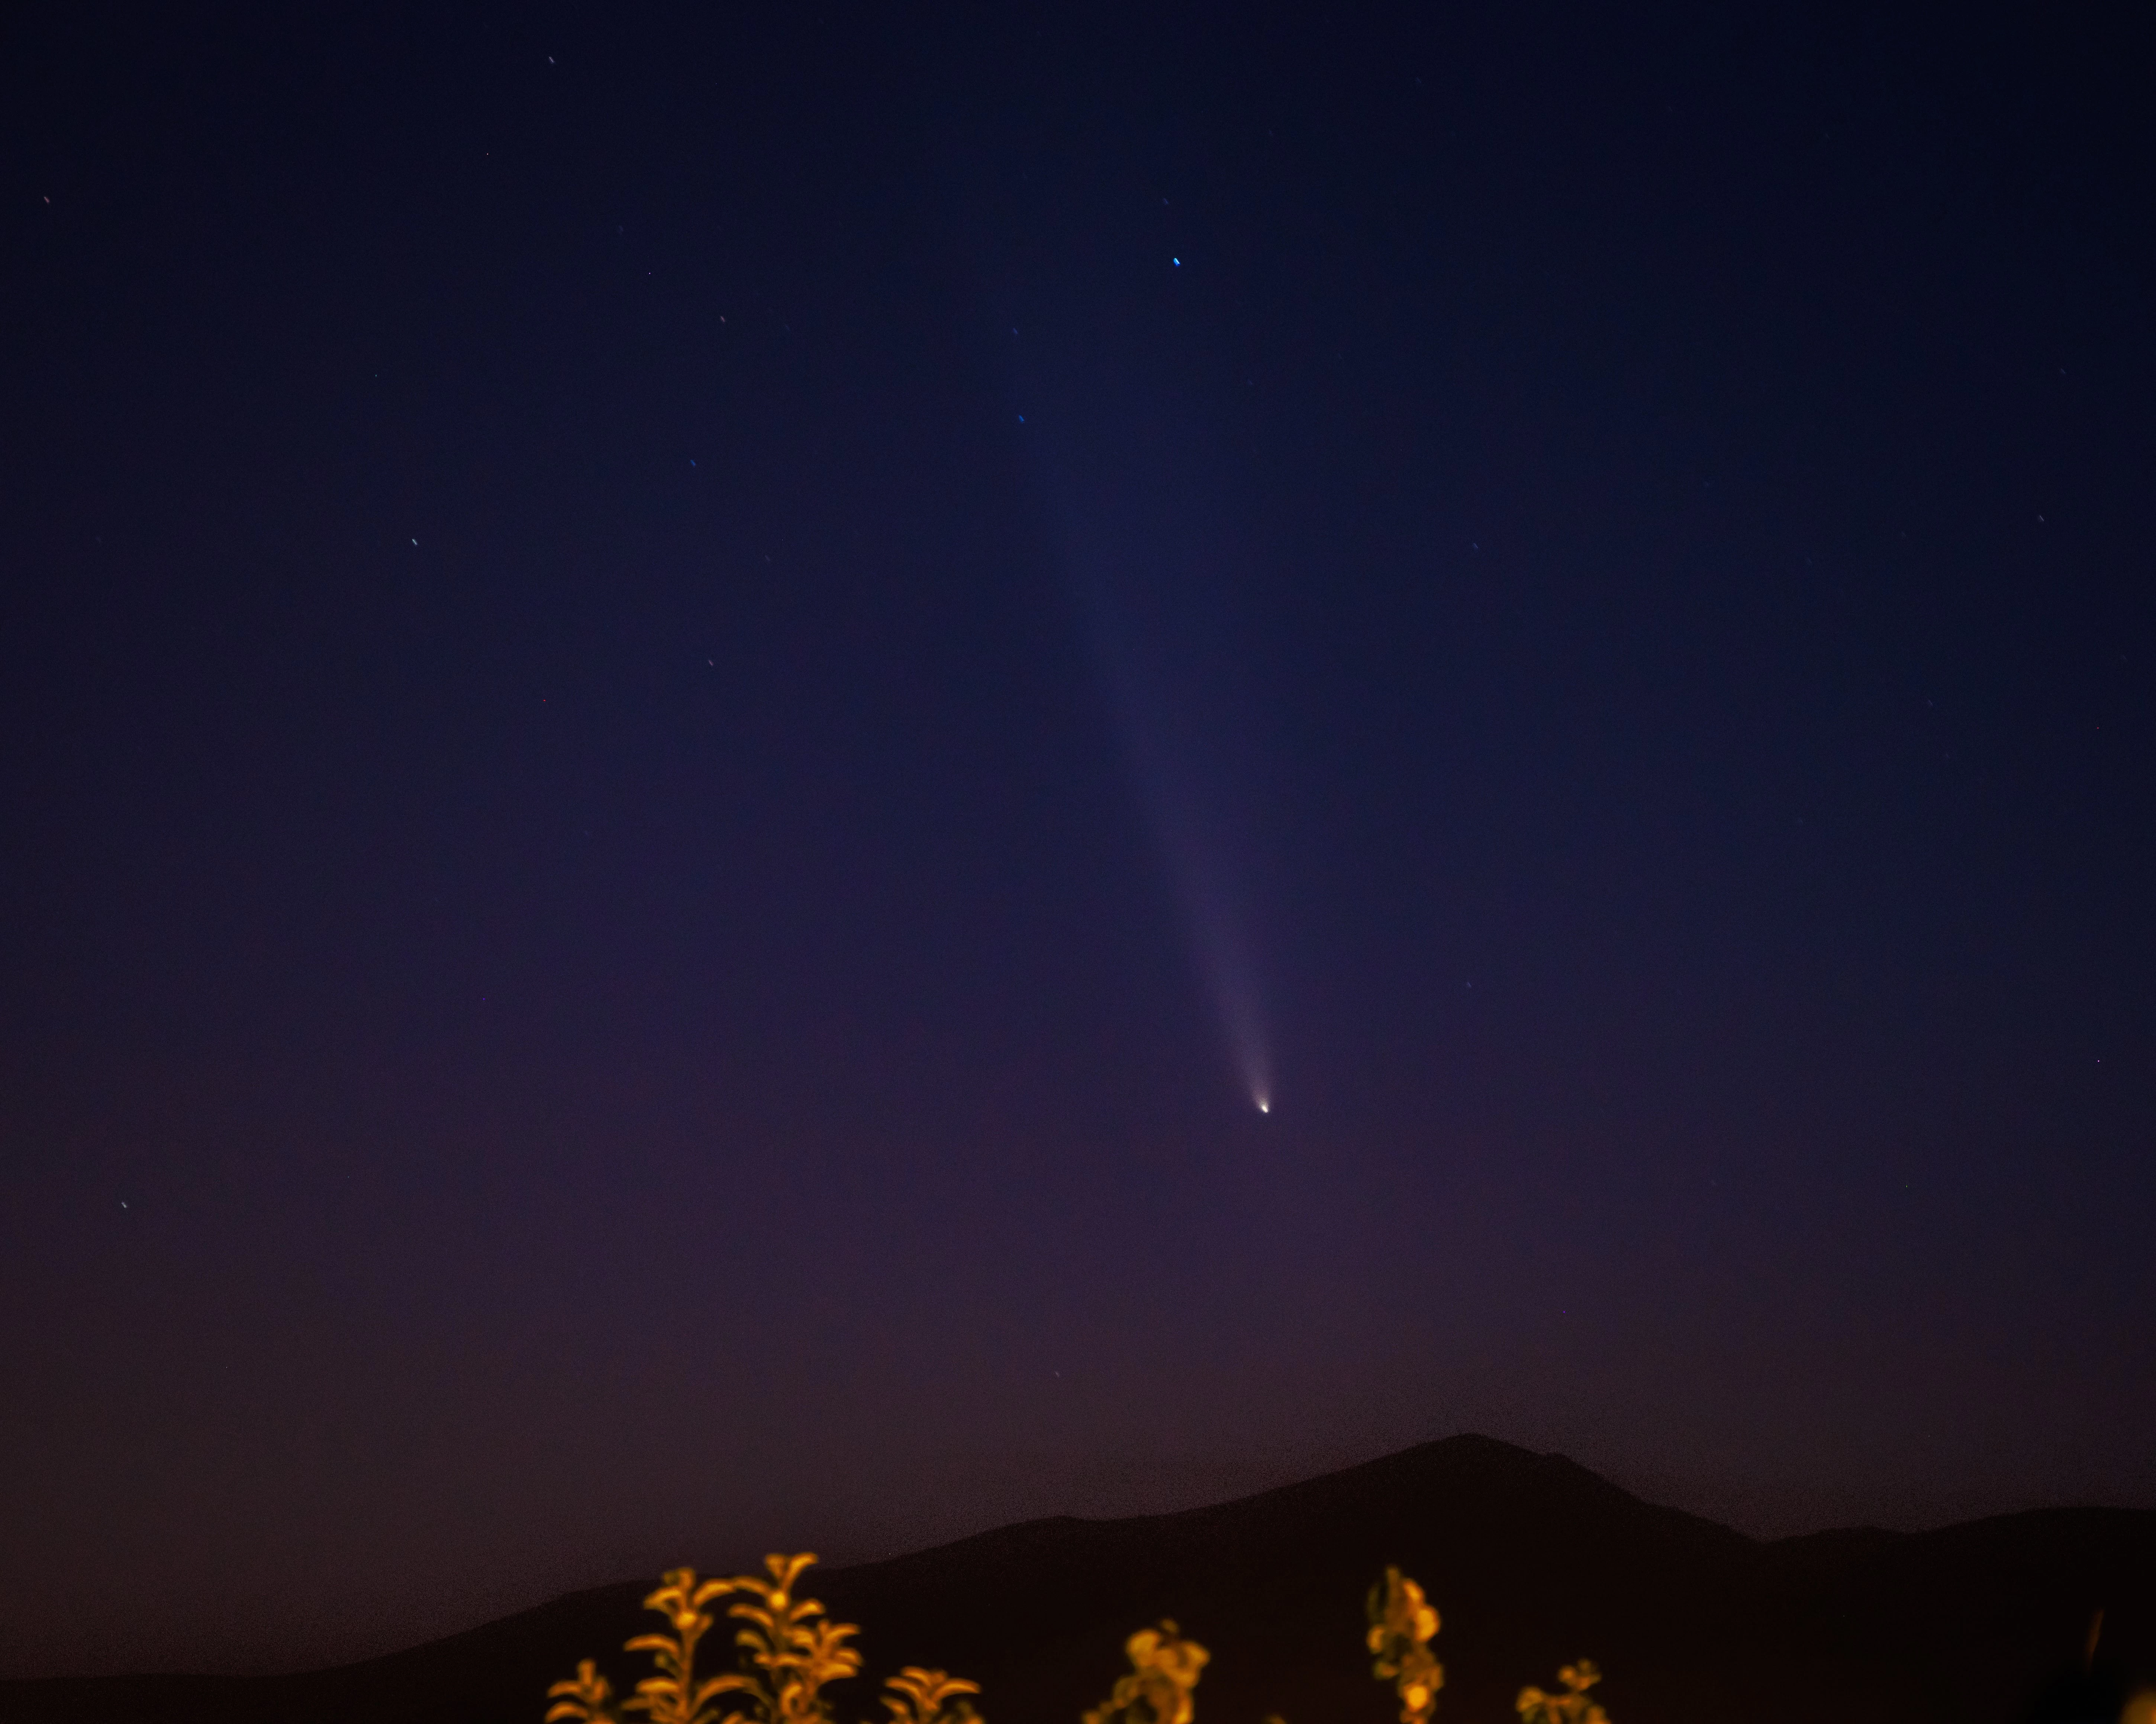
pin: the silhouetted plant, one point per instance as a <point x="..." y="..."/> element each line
<point x="788" y="1649"/>
<point x="674" y="1696"/>
<point x="793" y="1647"/>
<point x="928" y="1697"/>
<point x="1573" y="1707"/>
<point x="1401" y="1624"/>
<point x="1164" y="1668"/>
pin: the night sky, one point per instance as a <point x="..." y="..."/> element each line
<point x="697" y="701"/>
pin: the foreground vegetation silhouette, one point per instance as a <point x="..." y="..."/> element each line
<point x="788" y="1649"/>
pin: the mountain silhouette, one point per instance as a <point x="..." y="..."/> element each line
<point x="1532" y="1561"/>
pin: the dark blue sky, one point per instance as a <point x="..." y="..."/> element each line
<point x="643" y="661"/>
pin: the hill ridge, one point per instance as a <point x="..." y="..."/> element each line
<point x="1531" y="1558"/>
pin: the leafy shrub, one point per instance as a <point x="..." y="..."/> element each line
<point x="1573" y="1707"/>
<point x="789" y="1649"/>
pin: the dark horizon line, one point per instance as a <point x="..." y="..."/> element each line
<point x="1495" y="1448"/>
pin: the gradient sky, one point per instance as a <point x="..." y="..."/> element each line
<point x="679" y="690"/>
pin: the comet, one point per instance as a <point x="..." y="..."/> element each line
<point x="1144" y="498"/>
